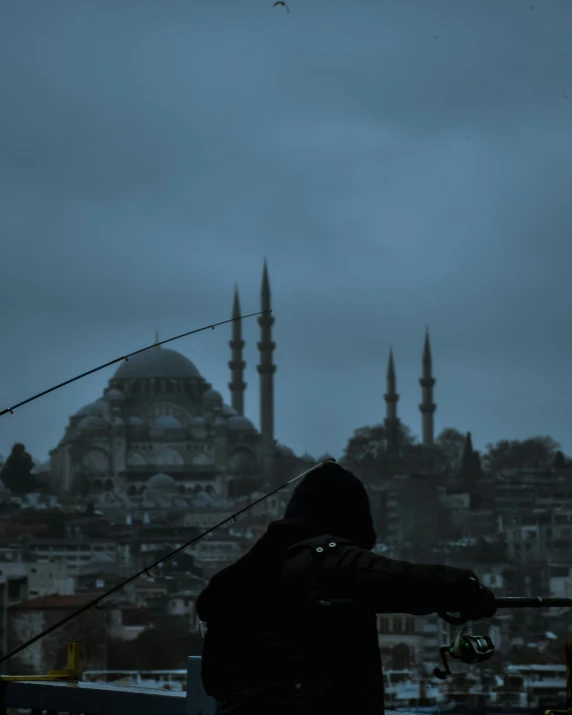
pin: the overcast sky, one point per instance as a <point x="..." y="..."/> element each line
<point x="401" y="163"/>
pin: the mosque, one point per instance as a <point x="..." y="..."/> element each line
<point x="161" y="428"/>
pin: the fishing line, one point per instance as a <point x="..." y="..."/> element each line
<point x="203" y="580"/>
<point x="162" y="600"/>
<point x="126" y="358"/>
<point x="159" y="562"/>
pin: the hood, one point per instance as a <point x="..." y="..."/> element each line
<point x="334" y="501"/>
<point x="328" y="500"/>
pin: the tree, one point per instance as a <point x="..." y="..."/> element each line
<point x="470" y="469"/>
<point x="559" y="460"/>
<point x="535" y="452"/>
<point x="367" y="451"/>
<point x="16" y="473"/>
<point x="451" y="443"/>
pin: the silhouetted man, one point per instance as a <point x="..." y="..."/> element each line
<point x="277" y="643"/>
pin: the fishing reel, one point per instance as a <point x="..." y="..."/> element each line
<point x="469" y="646"/>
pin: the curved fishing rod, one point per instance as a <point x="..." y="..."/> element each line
<point x="126" y="357"/>
<point x="145" y="571"/>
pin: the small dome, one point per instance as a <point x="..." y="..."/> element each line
<point x="308" y="458"/>
<point x="135" y="459"/>
<point x="285" y="451"/>
<point x="113" y="395"/>
<point x="212" y="399"/>
<point x="202" y="460"/>
<point x="162" y="482"/>
<point x="325" y="456"/>
<point x="220" y="424"/>
<point x="99" y="408"/>
<point x="167" y="422"/>
<point x="238" y="422"/>
<point x="157" y="362"/>
<point x="228" y="411"/>
<point x="93" y="422"/>
<point x="99" y="562"/>
<point x="136" y="422"/>
<point x="198" y="421"/>
<point x="118" y="421"/>
<point x="101" y="558"/>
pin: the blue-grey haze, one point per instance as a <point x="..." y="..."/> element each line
<point x="401" y="163"/>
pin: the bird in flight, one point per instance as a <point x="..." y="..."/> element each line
<point x="283" y="5"/>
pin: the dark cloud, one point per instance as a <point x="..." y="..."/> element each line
<point x="152" y="153"/>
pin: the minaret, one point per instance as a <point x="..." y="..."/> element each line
<point x="391" y="398"/>
<point x="427" y="405"/>
<point x="237" y="364"/>
<point x="266" y="370"/>
<point x="157" y="339"/>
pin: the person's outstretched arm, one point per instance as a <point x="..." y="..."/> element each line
<point x="391" y="586"/>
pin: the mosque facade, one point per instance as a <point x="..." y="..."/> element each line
<point x="161" y="427"/>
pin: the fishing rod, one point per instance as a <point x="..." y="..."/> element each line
<point x="126" y="358"/>
<point x="95" y="602"/>
<point x="160" y="562"/>
<point x="515" y="602"/>
<point x="474" y="643"/>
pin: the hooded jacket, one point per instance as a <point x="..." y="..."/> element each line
<point x="291" y="626"/>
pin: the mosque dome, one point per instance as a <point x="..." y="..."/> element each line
<point x="325" y="456"/>
<point x="156" y="362"/>
<point x="211" y="399"/>
<point x="308" y="458"/>
<point x="166" y="422"/>
<point x="99" y="407"/>
<point x="93" y="422"/>
<point x="239" y="422"/>
<point x="201" y="460"/>
<point x="136" y="422"/>
<point x="98" y="563"/>
<point x="285" y="451"/>
<point x="228" y="411"/>
<point x="100" y="559"/>
<point x="162" y="483"/>
<point x="114" y="395"/>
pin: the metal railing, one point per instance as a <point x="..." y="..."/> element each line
<point x="82" y="698"/>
